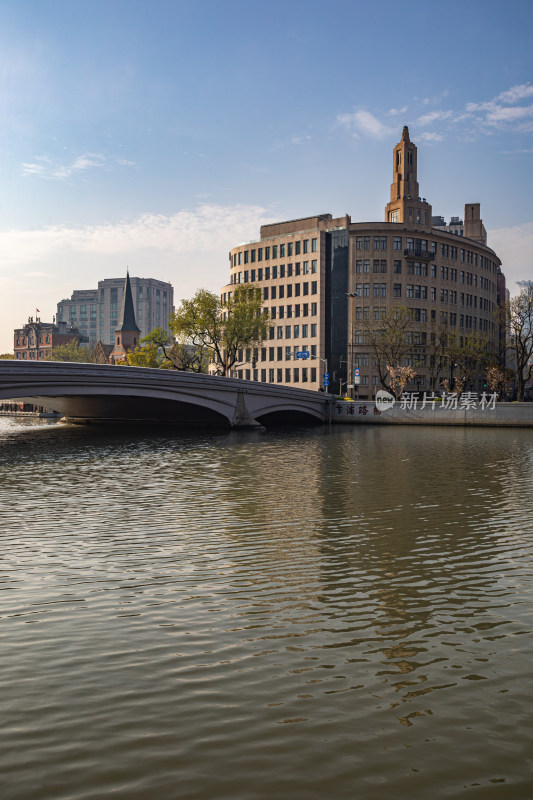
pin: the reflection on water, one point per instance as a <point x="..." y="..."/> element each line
<point x="307" y="614"/>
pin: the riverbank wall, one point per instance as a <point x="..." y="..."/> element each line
<point x="511" y="415"/>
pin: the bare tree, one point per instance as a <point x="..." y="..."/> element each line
<point x="387" y="339"/>
<point x="469" y="355"/>
<point x="517" y="317"/>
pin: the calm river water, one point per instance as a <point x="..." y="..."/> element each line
<point x="302" y="615"/>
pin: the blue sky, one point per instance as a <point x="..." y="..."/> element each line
<point x="158" y="135"/>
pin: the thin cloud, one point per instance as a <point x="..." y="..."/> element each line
<point x="430" y="136"/>
<point x="434" y="116"/>
<point x="364" y="123"/>
<point x="53" y="169"/>
<point x="207" y="228"/>
<point x="393" y="112"/>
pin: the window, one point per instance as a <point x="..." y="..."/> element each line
<point x="397" y="290"/>
<point x="287" y="374"/>
<point x="260" y="255"/>
<point x="314" y="243"/>
<point x="281" y="292"/>
<point x="280" y="332"/>
<point x="313" y="330"/>
<point x="288" y="353"/>
<point x="267" y="253"/>
<point x="313" y="287"/>
<point x="313" y="309"/>
<point x="359" y="243"/>
<point x="280" y="375"/>
<point x="305" y="288"/>
<point x="306" y="245"/>
<point x="313" y="266"/>
<point x="246" y="256"/>
<point x="287" y="331"/>
<point x="267" y="273"/>
<point x="397" y="243"/>
<point x="252" y="256"/>
<point x="398" y="267"/>
<point x="305" y="331"/>
<point x="271" y="354"/>
<point x="297" y="248"/>
<point x="274" y="251"/>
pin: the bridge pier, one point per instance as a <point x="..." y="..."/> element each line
<point x="242" y="417"/>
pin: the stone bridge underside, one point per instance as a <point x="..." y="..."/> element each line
<point x="108" y="394"/>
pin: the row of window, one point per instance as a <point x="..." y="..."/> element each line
<point x="272" y="292"/>
<point x="275" y="353"/>
<point x="467" y="321"/>
<point x="362" y="267"/>
<point x="21" y="341"/>
<point x="304" y="310"/>
<point x="295" y="333"/>
<point x="419" y="292"/>
<point x="34" y="355"/>
<point x="280" y="375"/>
<point x="272" y="273"/>
<point x="425" y="246"/>
<point x="285" y="250"/>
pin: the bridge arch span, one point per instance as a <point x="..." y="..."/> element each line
<point x="104" y="393"/>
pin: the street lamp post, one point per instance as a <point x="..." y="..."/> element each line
<point x="351" y="296"/>
<point x="325" y="369"/>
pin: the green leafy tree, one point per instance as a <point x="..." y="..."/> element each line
<point x="222" y="330"/>
<point x="158" y="349"/>
<point x="71" y="351"/>
<point x="8" y="356"/>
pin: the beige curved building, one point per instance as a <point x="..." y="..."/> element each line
<point x="307" y="268"/>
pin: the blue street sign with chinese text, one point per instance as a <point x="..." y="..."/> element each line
<point x="302" y="354"/>
<point x="326" y="376"/>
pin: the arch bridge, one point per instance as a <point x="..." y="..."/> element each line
<point x="101" y="393"/>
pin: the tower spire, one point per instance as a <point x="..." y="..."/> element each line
<point x="405" y="204"/>
<point x="127" y="320"/>
<point x="127" y="331"/>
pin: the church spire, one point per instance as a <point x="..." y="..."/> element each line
<point x="127" y="331"/>
<point x="127" y="313"/>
